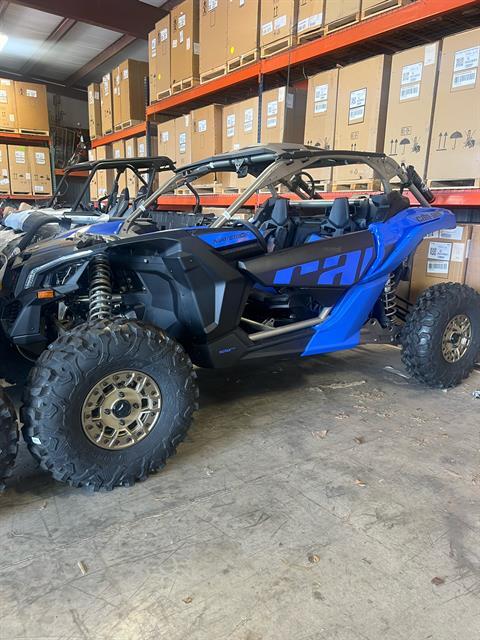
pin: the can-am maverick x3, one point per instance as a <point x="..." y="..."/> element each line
<point x="126" y="310"/>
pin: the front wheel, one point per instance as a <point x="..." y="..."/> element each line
<point x="441" y="337"/>
<point x="108" y="403"/>
<point x="8" y="438"/>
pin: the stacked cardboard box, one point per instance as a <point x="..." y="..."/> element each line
<point x="242" y="32"/>
<point x="410" y="105"/>
<point x="104" y="177"/>
<point x="116" y="99"/>
<point x="442" y="257"/>
<point x="183" y="140"/>
<point x="455" y="150"/>
<point x="240" y="129"/>
<point x="93" y="186"/>
<point x="4" y="170"/>
<point x="283" y="115"/>
<point x="32" y="109"/>
<point x="8" y="108"/>
<point x="213" y="39"/>
<point x="131" y="88"/>
<point x="159" y="43"/>
<point x="106" y="103"/>
<point x="166" y="143"/>
<point x="321" y="116"/>
<point x="40" y="170"/>
<point x="94" y="111"/>
<point x="361" y="113"/>
<point x="278" y="22"/>
<point x="341" y="13"/>
<point x="184" y="61"/>
<point x="311" y="14"/>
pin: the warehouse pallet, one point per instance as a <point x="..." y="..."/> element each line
<point x="278" y="46"/>
<point x="212" y="188"/>
<point x="466" y="183"/>
<point x="357" y="185"/>
<point x="183" y="85"/>
<point x="8" y="130"/>
<point x="342" y="22"/>
<point x="127" y="124"/>
<point x="308" y="36"/>
<point x="387" y="5"/>
<point x="321" y="185"/>
<point x="218" y="72"/>
<point x="33" y="132"/>
<point x="241" y="61"/>
<point x="163" y="94"/>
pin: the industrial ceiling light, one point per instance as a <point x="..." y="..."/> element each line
<point x="3" y="40"/>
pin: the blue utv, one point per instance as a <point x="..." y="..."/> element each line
<point x="121" y="312"/>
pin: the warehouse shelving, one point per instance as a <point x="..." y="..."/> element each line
<point x="130" y="132"/>
<point x="16" y="138"/>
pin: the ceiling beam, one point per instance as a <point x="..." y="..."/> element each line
<point x="98" y="60"/>
<point x="53" y="86"/>
<point x="3" y="7"/>
<point x="125" y="16"/>
<point x="57" y="34"/>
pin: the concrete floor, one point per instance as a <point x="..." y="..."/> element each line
<point x="314" y="499"/>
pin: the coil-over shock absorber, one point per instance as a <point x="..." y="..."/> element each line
<point x="389" y="298"/>
<point x="100" y="294"/>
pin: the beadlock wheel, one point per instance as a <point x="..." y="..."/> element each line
<point x="457" y="338"/>
<point x="121" y="410"/>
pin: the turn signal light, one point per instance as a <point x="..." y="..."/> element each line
<point x="45" y="294"/>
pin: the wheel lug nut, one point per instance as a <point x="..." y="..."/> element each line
<point x="136" y="405"/>
<point x="121" y="394"/>
<point x="122" y="422"/>
<point x="107" y="411"/>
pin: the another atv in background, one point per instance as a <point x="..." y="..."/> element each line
<point x="71" y="207"/>
<point x="126" y="310"/>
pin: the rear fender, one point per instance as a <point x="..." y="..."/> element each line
<point x="395" y="240"/>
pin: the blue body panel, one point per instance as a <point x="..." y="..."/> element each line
<point x="395" y="240"/>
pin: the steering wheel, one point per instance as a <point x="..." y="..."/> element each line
<point x="257" y="234"/>
<point x="308" y="187"/>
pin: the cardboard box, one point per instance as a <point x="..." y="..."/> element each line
<point x="166" y="144"/>
<point x="213" y="38"/>
<point x="93" y="186"/>
<point x="164" y="77"/>
<point x="132" y="180"/>
<point x="341" y="12"/>
<point x="132" y="92"/>
<point x="455" y="147"/>
<point x="361" y="113"/>
<point x="239" y="130"/>
<point x="183" y="140"/>
<point x="278" y="21"/>
<point x="118" y="151"/>
<point x="4" y="170"/>
<point x="442" y="257"/>
<point x="152" y="65"/>
<point x="32" y="110"/>
<point x="243" y="17"/>
<point x="104" y="177"/>
<point x="206" y="132"/>
<point x="184" y="25"/>
<point x="311" y="14"/>
<point x="283" y="115"/>
<point x="8" y="108"/>
<point x="410" y="105"/>
<point x="116" y="98"/>
<point x="18" y="162"/>
<point x="106" y="103"/>
<point x="472" y="275"/>
<point x="40" y="170"/>
<point x="321" y="116"/>
<point x="94" y="111"/>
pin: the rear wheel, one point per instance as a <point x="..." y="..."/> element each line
<point x="8" y="438"/>
<point x="441" y="337"/>
<point x="108" y="403"/>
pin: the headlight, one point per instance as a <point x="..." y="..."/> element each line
<point x="59" y="266"/>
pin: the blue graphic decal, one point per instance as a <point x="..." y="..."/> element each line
<point x="110" y="228"/>
<point x="222" y="239"/>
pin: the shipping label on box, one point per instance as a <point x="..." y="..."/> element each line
<point x="437" y="267"/>
<point x="202" y="126"/>
<point x="411" y="73"/>
<point x="358" y="100"/>
<point x="439" y="250"/>
<point x="465" y="68"/>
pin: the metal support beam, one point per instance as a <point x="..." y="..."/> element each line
<point x="100" y="59"/>
<point x="125" y="16"/>
<point x="57" y="34"/>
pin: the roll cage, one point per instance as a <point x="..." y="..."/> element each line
<point x="277" y="164"/>
<point x="145" y="169"/>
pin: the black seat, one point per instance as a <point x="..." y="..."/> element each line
<point x="277" y="229"/>
<point x="121" y="205"/>
<point x="339" y="216"/>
